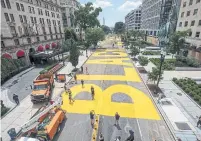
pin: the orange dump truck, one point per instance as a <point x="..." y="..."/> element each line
<point x="49" y="125"/>
<point x="42" y="88"/>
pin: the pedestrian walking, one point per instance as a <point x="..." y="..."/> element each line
<point x="131" y="137"/>
<point x="117" y="116"/>
<point x="86" y="70"/>
<point x="92" y="114"/>
<point x="82" y="82"/>
<point x="82" y="69"/>
<point x="113" y="45"/>
<point x="199" y="121"/>
<point x="92" y="92"/>
<point x="75" y="78"/>
<point x="70" y="97"/>
<point x="65" y="87"/>
<point x="101" y="138"/>
<point x="16" y="99"/>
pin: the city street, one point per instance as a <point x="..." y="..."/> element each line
<point x="118" y="88"/>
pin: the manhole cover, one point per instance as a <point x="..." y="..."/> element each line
<point x="183" y="126"/>
<point x="166" y="103"/>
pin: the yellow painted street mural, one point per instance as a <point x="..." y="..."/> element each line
<point x="141" y="105"/>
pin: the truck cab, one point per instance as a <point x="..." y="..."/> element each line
<point x="42" y="88"/>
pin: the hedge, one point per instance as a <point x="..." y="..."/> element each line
<point x="151" y="52"/>
<point x="10" y="67"/>
<point x="190" y="87"/>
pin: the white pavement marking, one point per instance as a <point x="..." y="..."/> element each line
<point x="139" y="129"/>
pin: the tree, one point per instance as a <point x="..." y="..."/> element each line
<point x="153" y="76"/>
<point x="106" y="29"/>
<point x="93" y="35"/>
<point x="74" y="53"/>
<point x="70" y="33"/>
<point x="135" y="35"/>
<point x="134" y="51"/>
<point x="87" y="44"/>
<point x="143" y="60"/>
<point x="177" y="41"/>
<point x="86" y="17"/>
<point x="119" y="28"/>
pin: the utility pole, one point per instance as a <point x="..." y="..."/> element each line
<point x="161" y="63"/>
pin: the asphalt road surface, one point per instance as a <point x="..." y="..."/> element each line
<point x="138" y="112"/>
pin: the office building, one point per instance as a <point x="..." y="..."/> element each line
<point x="190" y="19"/>
<point x="68" y="16"/>
<point x="133" y="19"/>
<point x="150" y="19"/>
<point x="30" y="26"/>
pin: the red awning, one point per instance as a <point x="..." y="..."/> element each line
<point x="40" y="48"/>
<point x="47" y="46"/>
<point x="6" y="55"/>
<point x="20" y="53"/>
<point x="54" y="45"/>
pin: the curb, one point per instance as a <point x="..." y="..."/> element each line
<point x="186" y="94"/>
<point x="155" y="103"/>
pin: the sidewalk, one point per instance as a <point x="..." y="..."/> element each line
<point x="182" y="111"/>
<point x="26" y="109"/>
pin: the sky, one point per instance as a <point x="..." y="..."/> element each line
<point x="113" y="10"/>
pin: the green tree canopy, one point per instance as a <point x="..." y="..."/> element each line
<point x="136" y="35"/>
<point x="74" y="53"/>
<point x="106" y="29"/>
<point x="143" y="60"/>
<point x="93" y="35"/>
<point x="177" y="41"/>
<point x="134" y="50"/>
<point x="86" y="17"/>
<point x="70" y="34"/>
<point x="119" y="28"/>
<point x="153" y="75"/>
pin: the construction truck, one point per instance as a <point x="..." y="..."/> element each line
<point x="44" y="126"/>
<point x="42" y="88"/>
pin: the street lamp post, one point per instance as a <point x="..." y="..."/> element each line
<point x="161" y="63"/>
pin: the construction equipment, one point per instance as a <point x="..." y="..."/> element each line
<point x="45" y="125"/>
<point x="42" y="89"/>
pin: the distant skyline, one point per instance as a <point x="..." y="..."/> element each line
<point x="113" y="10"/>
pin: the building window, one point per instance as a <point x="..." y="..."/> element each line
<point x="21" y="19"/>
<point x="22" y="7"/>
<point x="60" y="29"/>
<point x="190" y="34"/>
<point x="45" y="37"/>
<point x="180" y="24"/>
<point x="199" y="23"/>
<point x="29" y="9"/>
<point x="184" y="4"/>
<point x="18" y="6"/>
<point x="38" y="39"/>
<point x="2" y="44"/>
<point x="6" y="17"/>
<point x="190" y="2"/>
<point x="33" y="10"/>
<point x="8" y="4"/>
<point x="186" y="23"/>
<point x="195" y="12"/>
<point x="17" y="42"/>
<point x="188" y="13"/>
<point x="29" y="40"/>
<point x="182" y="14"/>
<point x="3" y="4"/>
<point x="25" y="19"/>
<point x="32" y="20"/>
<point x="30" y="1"/>
<point x="12" y="17"/>
<point x="197" y="1"/>
<point x="193" y="23"/>
<point x="35" y="20"/>
<point x="197" y="34"/>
